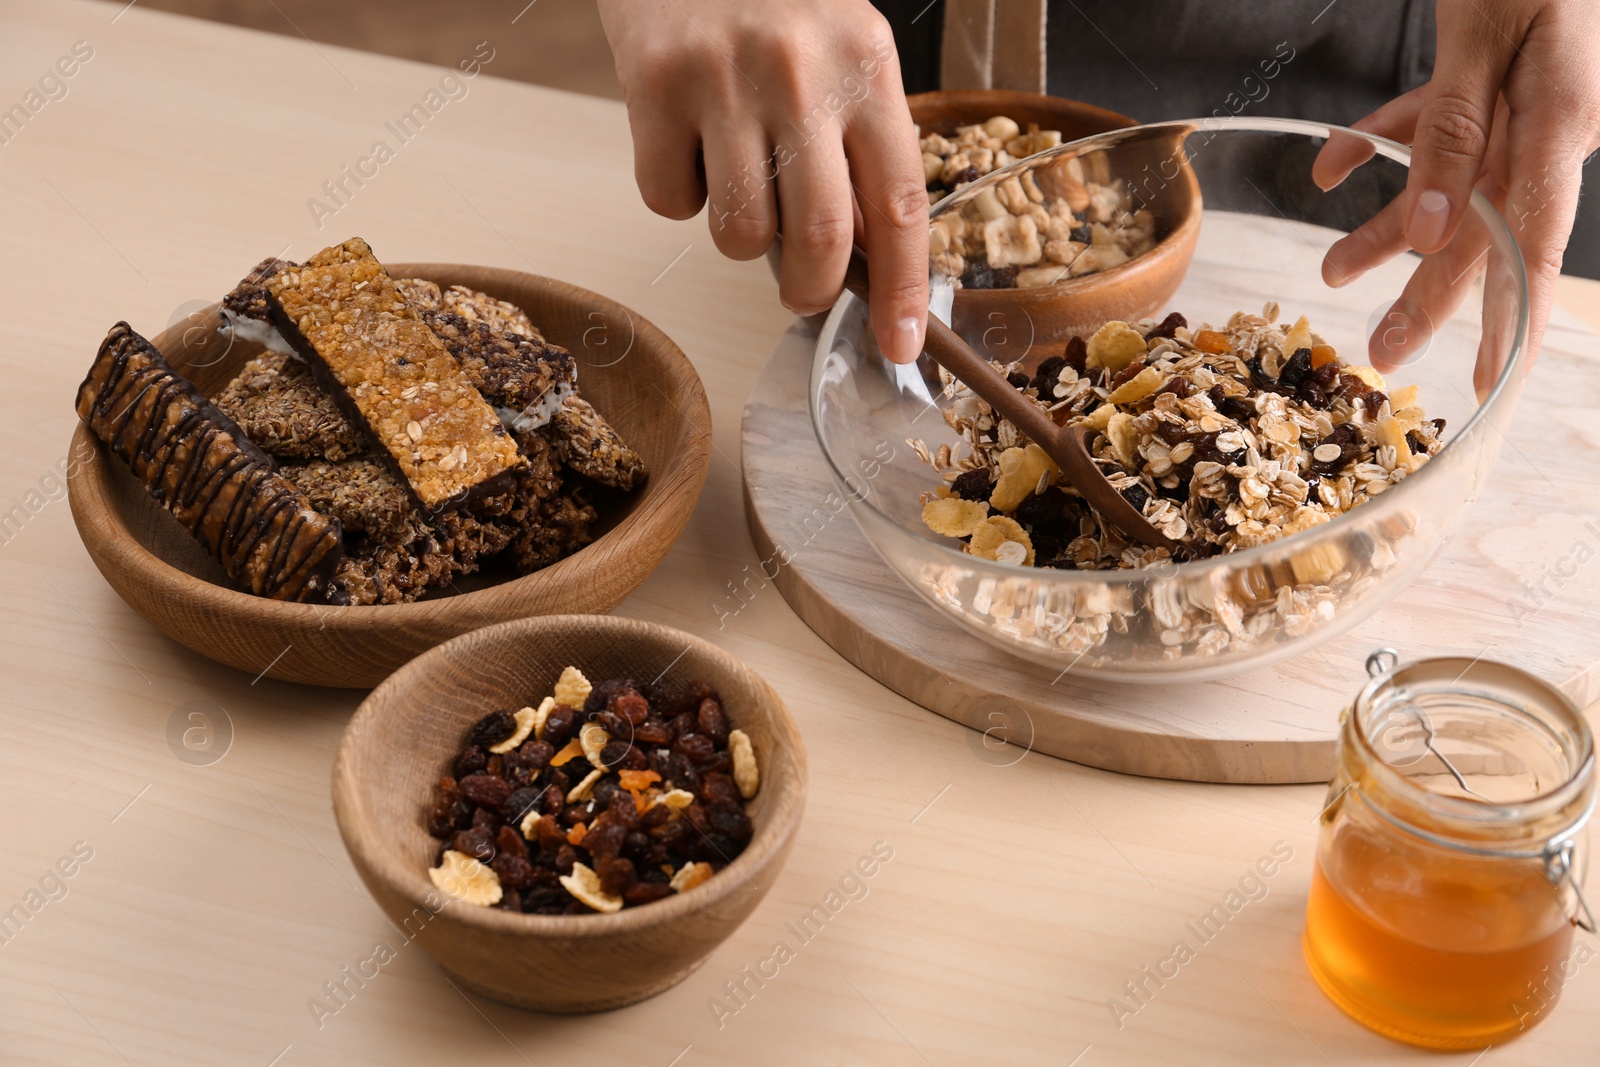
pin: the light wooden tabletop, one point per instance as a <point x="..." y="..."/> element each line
<point x="216" y="900"/>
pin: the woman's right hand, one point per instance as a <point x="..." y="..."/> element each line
<point x="785" y="115"/>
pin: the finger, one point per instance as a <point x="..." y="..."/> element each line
<point x="816" y="206"/>
<point x="886" y="169"/>
<point x="1343" y="153"/>
<point x="1373" y="243"/>
<point x="1452" y="134"/>
<point x="666" y="163"/>
<point x="1433" y="293"/>
<point x="740" y="192"/>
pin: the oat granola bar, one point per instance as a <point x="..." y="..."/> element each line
<point x="561" y="525"/>
<point x="198" y="465"/>
<point x="278" y="404"/>
<point x="527" y="378"/>
<point x="588" y="444"/>
<point x="367" y="346"/>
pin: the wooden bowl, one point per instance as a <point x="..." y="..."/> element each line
<point x="1027" y="324"/>
<point x="630" y="370"/>
<point x="406" y="732"/>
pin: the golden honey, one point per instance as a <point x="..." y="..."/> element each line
<point x="1443" y="897"/>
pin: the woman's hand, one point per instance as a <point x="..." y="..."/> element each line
<point x="1513" y="110"/>
<point x="785" y="115"/>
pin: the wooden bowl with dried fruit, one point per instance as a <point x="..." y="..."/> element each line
<point x="344" y="463"/>
<point x="569" y="813"/>
<point x="1061" y="243"/>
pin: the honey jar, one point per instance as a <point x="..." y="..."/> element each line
<point x="1450" y="855"/>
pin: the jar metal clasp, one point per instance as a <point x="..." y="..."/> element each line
<point x="1558" y="867"/>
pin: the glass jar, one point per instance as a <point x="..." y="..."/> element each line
<point x="1448" y="867"/>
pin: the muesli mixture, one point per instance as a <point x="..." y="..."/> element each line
<point x="604" y="796"/>
<point x="1224" y="438"/>
<point x="1021" y="234"/>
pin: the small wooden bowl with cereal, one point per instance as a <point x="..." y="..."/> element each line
<point x="1057" y="245"/>
<point x="561" y="844"/>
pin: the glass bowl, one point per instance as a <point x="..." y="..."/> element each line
<point x="1454" y="324"/>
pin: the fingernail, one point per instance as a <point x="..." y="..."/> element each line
<point x="906" y="345"/>
<point x="1429" y="217"/>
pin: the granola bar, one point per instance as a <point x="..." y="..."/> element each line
<point x="588" y="444"/>
<point x="247" y="311"/>
<point x="278" y="404"/>
<point x="562" y="524"/>
<point x="198" y="465"/>
<point x="527" y="379"/>
<point x="344" y="316"/>
<point x="363" y="494"/>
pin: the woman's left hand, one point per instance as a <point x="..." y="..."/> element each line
<point x="1512" y="110"/>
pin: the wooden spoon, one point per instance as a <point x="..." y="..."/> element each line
<point x="1067" y="445"/>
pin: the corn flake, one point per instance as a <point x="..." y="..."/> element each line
<point x="997" y="532"/>
<point x="584" y="884"/>
<point x="1021" y="471"/>
<point x="1114" y="346"/>
<point x="572" y="688"/>
<point x="526" y="718"/>
<point x="690" y="875"/>
<point x="1141" y="385"/>
<point x="745" y="773"/>
<point x="463" y="878"/>
<point x="953" y="516"/>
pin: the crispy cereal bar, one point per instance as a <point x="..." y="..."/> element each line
<point x="525" y="378"/>
<point x="1022" y="234"/>
<point x="595" y="798"/>
<point x="589" y="445"/>
<point x="280" y="407"/>
<point x="1224" y="438"/>
<point x="367" y="346"/>
<point x="198" y="465"/>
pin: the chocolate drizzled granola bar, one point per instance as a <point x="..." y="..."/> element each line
<point x="372" y="351"/>
<point x="201" y="467"/>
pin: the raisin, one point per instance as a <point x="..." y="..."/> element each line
<point x="476" y="842"/>
<point x="1438" y="427"/>
<point x="552" y="800"/>
<point x="1190" y="551"/>
<point x="1048" y="376"/>
<point x="637" y="844"/>
<point x="1136" y="495"/>
<point x="1179" y="387"/>
<point x="654" y="816"/>
<point x="1042" y="509"/>
<point x="713" y="721"/>
<point x="622" y="808"/>
<point x="697" y="748"/>
<point x="1346" y="436"/>
<point x="1236" y="408"/>
<point x="983" y="276"/>
<point x="1414" y="444"/>
<point x="602" y="694"/>
<point x="514" y="871"/>
<point x="535" y="755"/>
<point x="630" y="708"/>
<point x="605" y="837"/>
<point x="1017" y="380"/>
<point x="616" y="875"/>
<point x="732" y="821"/>
<point x="967" y="176"/>
<point x="484" y="819"/>
<point x="485" y="790"/>
<point x="509" y="842"/>
<point x="558" y="726"/>
<point x="1077" y="354"/>
<point x="1296" y="369"/>
<point x="614" y="752"/>
<point x="1128" y="373"/>
<point x="714" y="846"/>
<point x="519" y="803"/>
<point x="683" y="722"/>
<point x="652" y="732"/>
<point x="1083" y="235"/>
<point x="492" y="729"/>
<point x="973" y="484"/>
<point x="646" y="893"/>
<point x="720" y="789"/>
<point x="566" y="856"/>
<point x="549" y="834"/>
<point x="605" y="789"/>
<point x="673" y="835"/>
<point x="1168" y="327"/>
<point x="473" y="760"/>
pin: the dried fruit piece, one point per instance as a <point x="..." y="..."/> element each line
<point x="1368" y="375"/>
<point x="572" y="751"/>
<point x="592" y="738"/>
<point x="1022" y="471"/>
<point x="745" y="772"/>
<point x="953" y="516"/>
<point x="690" y="875"/>
<point x="485" y="790"/>
<point x="1322" y="355"/>
<point x="584" y="885"/>
<point x="578" y="832"/>
<point x="463" y="878"/>
<point x="581" y="790"/>
<point x="526" y="718"/>
<point x="572" y="689"/>
<point x="491" y="729"/>
<point x="1298" y="337"/>
<point x="1212" y="342"/>
<point x="996" y="532"/>
<point x="1114" y="346"/>
<point x="634" y="780"/>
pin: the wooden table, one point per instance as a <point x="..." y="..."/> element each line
<point x="218" y="899"/>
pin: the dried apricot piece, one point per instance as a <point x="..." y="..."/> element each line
<point x="578" y="832"/>
<point x="690" y="875"/>
<point x="572" y="751"/>
<point x="1213" y="342"/>
<point x="637" y="779"/>
<point x="1322" y="355"/>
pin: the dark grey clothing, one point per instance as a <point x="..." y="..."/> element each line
<point x="1171" y="59"/>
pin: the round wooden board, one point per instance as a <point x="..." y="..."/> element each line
<point x="1274" y="725"/>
